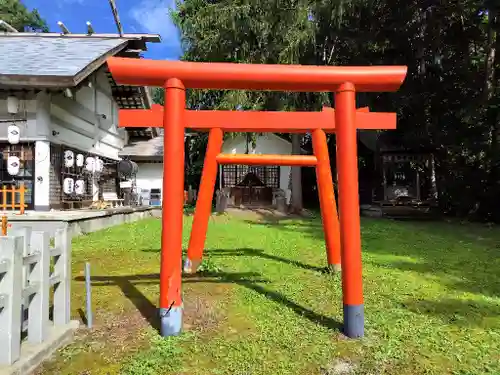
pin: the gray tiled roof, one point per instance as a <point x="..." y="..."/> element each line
<point x="65" y="57"/>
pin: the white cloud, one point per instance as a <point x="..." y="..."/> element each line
<point x="154" y="17"/>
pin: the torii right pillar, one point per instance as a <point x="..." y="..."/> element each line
<point x="350" y="238"/>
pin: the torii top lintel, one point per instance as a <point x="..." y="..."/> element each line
<point x="196" y="75"/>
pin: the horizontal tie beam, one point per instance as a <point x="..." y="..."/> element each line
<point x="257" y="121"/>
<point x="270" y="159"/>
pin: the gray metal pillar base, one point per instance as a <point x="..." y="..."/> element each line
<point x="170" y="321"/>
<point x="334" y="268"/>
<point x="191" y="266"/>
<point x="354" y="321"/>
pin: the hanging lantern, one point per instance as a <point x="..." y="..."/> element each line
<point x="68" y="185"/>
<point x="90" y="164"/>
<point x="13" y="164"/>
<point x="12" y="104"/>
<point x="13" y="134"/>
<point x="99" y="164"/>
<point x="69" y="158"/>
<point x="79" y="187"/>
<point x="80" y="160"/>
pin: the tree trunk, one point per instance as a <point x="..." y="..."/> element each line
<point x="492" y="116"/>
<point x="296" y="203"/>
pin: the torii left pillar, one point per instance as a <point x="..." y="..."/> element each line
<point x="172" y="208"/>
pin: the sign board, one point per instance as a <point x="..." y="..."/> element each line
<point x="125" y="184"/>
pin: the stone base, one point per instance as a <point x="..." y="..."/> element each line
<point x="32" y="355"/>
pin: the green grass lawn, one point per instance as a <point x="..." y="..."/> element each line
<point x="263" y="306"/>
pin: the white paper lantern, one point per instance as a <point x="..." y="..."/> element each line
<point x="99" y="164"/>
<point x="13" y="165"/>
<point x="79" y="187"/>
<point x="69" y="158"/>
<point x="68" y="185"/>
<point x="13" y="134"/>
<point x="90" y="164"/>
<point x="80" y="160"/>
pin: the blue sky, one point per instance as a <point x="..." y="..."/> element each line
<point x="136" y="16"/>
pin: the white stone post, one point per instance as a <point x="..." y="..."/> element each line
<point x="11" y="266"/>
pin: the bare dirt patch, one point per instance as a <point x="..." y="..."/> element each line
<point x="99" y="350"/>
<point x="117" y="336"/>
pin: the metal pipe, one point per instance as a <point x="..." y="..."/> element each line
<point x="90" y="29"/>
<point x="88" y="294"/>
<point x="63" y="28"/>
<point x="8" y="27"/>
<point x="116" y="17"/>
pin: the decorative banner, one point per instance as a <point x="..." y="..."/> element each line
<point x="68" y="185"/>
<point x="13" y="134"/>
<point x="90" y="164"/>
<point x="80" y="160"/>
<point x="69" y="158"/>
<point x="79" y="187"/>
<point x="99" y="164"/>
<point x="13" y="165"/>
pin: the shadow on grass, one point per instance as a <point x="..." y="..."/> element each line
<point x="128" y="285"/>
<point x="256" y="253"/>
<point x="454" y="311"/>
<point x="262" y="254"/>
<point x="472" y="275"/>
<point x="309" y="226"/>
<point x="83" y="316"/>
<point x="463" y="255"/>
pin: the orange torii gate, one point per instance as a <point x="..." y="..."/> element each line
<point x="175" y="77"/>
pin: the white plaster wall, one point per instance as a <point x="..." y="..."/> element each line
<point x="149" y="176"/>
<point x="25" y="105"/>
<point x="90" y="121"/>
<point x="25" y="119"/>
<point x="77" y="122"/>
<point x="265" y="144"/>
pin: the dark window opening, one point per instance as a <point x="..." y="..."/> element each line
<point x="25" y="152"/>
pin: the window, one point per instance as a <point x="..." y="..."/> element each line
<point x="25" y="153"/>
<point x="234" y="174"/>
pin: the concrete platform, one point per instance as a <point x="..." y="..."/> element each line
<point x="32" y="355"/>
<point x="80" y="221"/>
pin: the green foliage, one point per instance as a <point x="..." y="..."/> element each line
<point x="258" y="31"/>
<point x="448" y="105"/>
<point x="15" y="13"/>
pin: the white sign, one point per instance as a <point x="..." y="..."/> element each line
<point x="125" y="184"/>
